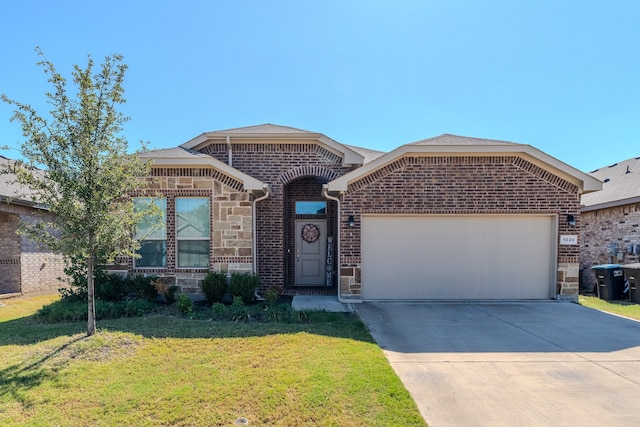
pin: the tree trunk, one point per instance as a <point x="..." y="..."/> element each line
<point x="91" y="315"/>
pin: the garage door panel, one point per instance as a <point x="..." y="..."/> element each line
<point x="457" y="257"/>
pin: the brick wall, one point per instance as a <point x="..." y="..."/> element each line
<point x="619" y="225"/>
<point x="10" y="256"/>
<point x="279" y="164"/>
<point x="459" y="185"/>
<point x="26" y="266"/>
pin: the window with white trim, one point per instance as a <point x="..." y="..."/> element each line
<point x="152" y="234"/>
<point x="193" y="232"/>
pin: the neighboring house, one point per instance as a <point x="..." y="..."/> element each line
<point x="24" y="265"/>
<point x="449" y="217"/>
<point x="610" y="219"/>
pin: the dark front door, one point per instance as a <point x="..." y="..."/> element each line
<point x="310" y="252"/>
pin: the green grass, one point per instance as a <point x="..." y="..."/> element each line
<point x="170" y="370"/>
<point x="621" y="308"/>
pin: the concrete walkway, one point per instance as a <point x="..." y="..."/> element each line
<point x="512" y="364"/>
<point x="319" y="302"/>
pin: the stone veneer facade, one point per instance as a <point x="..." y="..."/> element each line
<point x="600" y="228"/>
<point x="460" y="185"/>
<point x="231" y="220"/>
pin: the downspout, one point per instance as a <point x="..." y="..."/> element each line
<point x="229" y="151"/>
<point x="325" y="193"/>
<point x="254" y="242"/>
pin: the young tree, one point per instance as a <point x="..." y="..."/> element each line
<point x="88" y="172"/>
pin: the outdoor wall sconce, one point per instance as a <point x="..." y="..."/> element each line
<point x="351" y="221"/>
<point x="571" y="220"/>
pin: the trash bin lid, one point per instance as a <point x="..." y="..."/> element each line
<point x="635" y="266"/>
<point x="606" y="266"/>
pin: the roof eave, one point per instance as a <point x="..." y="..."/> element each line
<point x="610" y="204"/>
<point x="585" y="182"/>
<point x="349" y="156"/>
<point x="250" y="183"/>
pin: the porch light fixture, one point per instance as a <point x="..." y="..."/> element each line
<point x="571" y="220"/>
<point x="351" y="221"/>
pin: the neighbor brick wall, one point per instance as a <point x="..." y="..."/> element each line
<point x="26" y="266"/>
<point x="278" y="164"/>
<point x="459" y="185"/>
<point x="10" y="256"/>
<point x="620" y="225"/>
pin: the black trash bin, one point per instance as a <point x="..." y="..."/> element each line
<point x="632" y="274"/>
<point x="610" y="281"/>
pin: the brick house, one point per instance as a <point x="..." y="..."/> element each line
<point x="610" y="219"/>
<point x="445" y="218"/>
<point x="24" y="265"/>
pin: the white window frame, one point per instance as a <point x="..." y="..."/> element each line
<point x="188" y="239"/>
<point x="153" y="238"/>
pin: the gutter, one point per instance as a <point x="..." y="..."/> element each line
<point x="229" y="151"/>
<point x="325" y="193"/>
<point x="254" y="242"/>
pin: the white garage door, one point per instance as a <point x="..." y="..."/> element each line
<point x="462" y="257"/>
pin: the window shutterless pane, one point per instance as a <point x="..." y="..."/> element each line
<point x="311" y="208"/>
<point x="192" y="217"/>
<point x="153" y="253"/>
<point x="151" y="228"/>
<point x="193" y="253"/>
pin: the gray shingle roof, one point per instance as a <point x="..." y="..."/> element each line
<point x="367" y="153"/>
<point x="621" y="185"/>
<point x="262" y="129"/>
<point x="448" y="139"/>
<point x="11" y="191"/>
<point x="173" y="153"/>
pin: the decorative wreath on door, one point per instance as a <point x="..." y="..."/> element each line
<point x="310" y="233"/>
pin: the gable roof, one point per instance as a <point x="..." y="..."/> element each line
<point x="271" y="132"/>
<point x="183" y="157"/>
<point x="448" y="144"/>
<point x="621" y="185"/>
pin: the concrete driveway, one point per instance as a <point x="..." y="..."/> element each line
<point x="512" y="364"/>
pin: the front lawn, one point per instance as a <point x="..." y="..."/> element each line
<point x="170" y="370"/>
<point x="621" y="308"/>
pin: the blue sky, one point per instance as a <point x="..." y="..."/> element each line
<point x="560" y="75"/>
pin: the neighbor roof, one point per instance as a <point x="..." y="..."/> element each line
<point x="181" y="157"/>
<point x="621" y="185"/>
<point x="448" y="144"/>
<point x="11" y="191"/>
<point x="273" y="132"/>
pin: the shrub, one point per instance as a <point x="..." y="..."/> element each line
<point x="111" y="287"/>
<point x="184" y="304"/>
<point x="166" y="292"/>
<point x="219" y="311"/>
<point x="272" y="295"/>
<point x="143" y="287"/>
<point x="214" y="286"/>
<point x="238" y="312"/>
<point x="72" y="311"/>
<point x="244" y="285"/>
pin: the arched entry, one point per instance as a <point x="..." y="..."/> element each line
<point x="309" y="234"/>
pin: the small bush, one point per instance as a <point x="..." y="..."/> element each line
<point x="272" y="295"/>
<point x="184" y="304"/>
<point x="238" y="312"/>
<point x="219" y="311"/>
<point x="214" y="286"/>
<point x="111" y="287"/>
<point x="244" y="285"/>
<point x="143" y="287"/>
